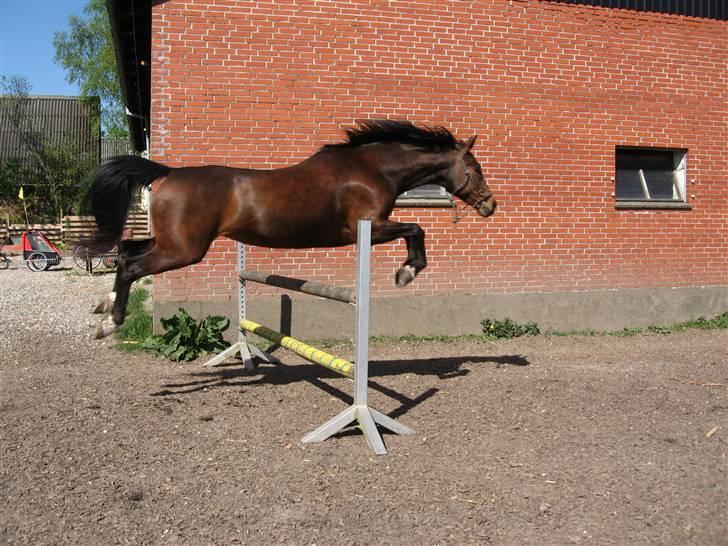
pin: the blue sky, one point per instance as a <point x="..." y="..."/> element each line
<point x="26" y="42"/>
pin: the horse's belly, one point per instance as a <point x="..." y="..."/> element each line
<point x="287" y="235"/>
<point x="293" y="219"/>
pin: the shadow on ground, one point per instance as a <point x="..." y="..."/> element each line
<point x="235" y="376"/>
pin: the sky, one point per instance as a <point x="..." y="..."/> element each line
<point x="26" y="42"/>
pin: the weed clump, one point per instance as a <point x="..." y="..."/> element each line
<point x="507" y="329"/>
<point x="185" y="339"/>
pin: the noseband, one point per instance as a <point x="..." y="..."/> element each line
<point x="481" y="198"/>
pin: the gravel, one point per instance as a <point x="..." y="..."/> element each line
<point x="56" y="303"/>
<point x="580" y="439"/>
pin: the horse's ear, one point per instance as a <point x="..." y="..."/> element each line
<point x="465" y="147"/>
<point x="470" y="143"/>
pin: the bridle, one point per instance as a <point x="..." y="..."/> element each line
<point x="455" y="213"/>
<point x="480" y="196"/>
<point x="457" y="190"/>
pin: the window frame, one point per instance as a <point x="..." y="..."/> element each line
<point x="414" y="198"/>
<point x="679" y="181"/>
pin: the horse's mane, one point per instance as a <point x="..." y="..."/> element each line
<point x="389" y="130"/>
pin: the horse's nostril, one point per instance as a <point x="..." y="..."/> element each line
<point x="488" y="207"/>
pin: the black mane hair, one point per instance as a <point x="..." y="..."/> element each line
<point x="390" y="130"/>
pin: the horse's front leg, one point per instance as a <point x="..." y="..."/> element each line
<point x="386" y="231"/>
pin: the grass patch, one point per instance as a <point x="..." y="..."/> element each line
<point x="343" y="343"/>
<point x="625" y="332"/>
<point x="138" y="323"/>
<point x="508" y="329"/>
<point x="383" y="340"/>
<point x="701" y="323"/>
<point x="138" y="327"/>
<point x="137" y="298"/>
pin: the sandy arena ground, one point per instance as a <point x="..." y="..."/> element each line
<point x="545" y="440"/>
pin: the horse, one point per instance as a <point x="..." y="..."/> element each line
<point x="315" y="203"/>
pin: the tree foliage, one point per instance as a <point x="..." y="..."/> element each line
<point x="52" y="173"/>
<point x="86" y="51"/>
<point x="10" y="206"/>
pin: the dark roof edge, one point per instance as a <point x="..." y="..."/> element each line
<point x="120" y="14"/>
<point x="704" y="9"/>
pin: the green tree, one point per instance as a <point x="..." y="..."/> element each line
<point x="53" y="174"/>
<point x="11" y="208"/>
<point x="65" y="188"/>
<point x="86" y="51"/>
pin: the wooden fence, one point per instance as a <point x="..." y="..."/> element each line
<point x="74" y="227"/>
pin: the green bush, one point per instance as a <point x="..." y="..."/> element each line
<point x="507" y="328"/>
<point x="721" y="321"/>
<point x="138" y="323"/>
<point x="185" y="339"/>
<point x="700" y="323"/>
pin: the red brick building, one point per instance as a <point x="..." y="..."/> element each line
<point x="602" y="132"/>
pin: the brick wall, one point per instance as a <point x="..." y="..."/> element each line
<point x="550" y="88"/>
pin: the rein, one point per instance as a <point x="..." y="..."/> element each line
<point x="455" y="213"/>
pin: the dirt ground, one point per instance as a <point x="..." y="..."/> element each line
<point x="545" y="440"/>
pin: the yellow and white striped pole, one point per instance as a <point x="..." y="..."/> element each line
<point x="310" y="353"/>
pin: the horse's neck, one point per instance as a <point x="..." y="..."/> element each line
<point x="410" y="169"/>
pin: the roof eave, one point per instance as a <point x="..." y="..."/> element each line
<point x="130" y="30"/>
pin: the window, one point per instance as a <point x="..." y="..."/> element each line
<point x="425" y="195"/>
<point x="650" y="178"/>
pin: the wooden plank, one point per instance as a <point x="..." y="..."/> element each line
<point x="346" y="295"/>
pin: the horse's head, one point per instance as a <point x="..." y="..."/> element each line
<point x="467" y="183"/>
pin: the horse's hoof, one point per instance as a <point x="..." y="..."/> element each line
<point x="105" y="305"/>
<point x="106" y="327"/>
<point x="405" y="275"/>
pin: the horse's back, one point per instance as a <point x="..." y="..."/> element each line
<point x="306" y="205"/>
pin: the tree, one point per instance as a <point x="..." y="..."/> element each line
<point x="86" y="51"/>
<point x="11" y="208"/>
<point x="52" y="171"/>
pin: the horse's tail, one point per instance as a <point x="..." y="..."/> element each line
<point x="110" y="196"/>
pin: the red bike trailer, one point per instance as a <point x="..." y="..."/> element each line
<point x="38" y="252"/>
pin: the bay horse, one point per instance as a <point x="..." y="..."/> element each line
<point x="315" y="203"/>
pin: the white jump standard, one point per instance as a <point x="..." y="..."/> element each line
<point x="359" y="411"/>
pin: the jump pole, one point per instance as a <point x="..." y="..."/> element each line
<point x="359" y="411"/>
<point x="242" y="346"/>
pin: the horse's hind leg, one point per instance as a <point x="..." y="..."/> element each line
<point x="126" y="248"/>
<point x="128" y="252"/>
<point x="105" y="304"/>
<point x="139" y="261"/>
<point x="414" y="236"/>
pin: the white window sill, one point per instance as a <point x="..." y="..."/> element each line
<point x="637" y="204"/>
<point x="442" y="202"/>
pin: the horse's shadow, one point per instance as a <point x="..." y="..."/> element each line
<point x="234" y="375"/>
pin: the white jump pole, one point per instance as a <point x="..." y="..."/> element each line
<point x="241" y="346"/>
<point x="359" y="411"/>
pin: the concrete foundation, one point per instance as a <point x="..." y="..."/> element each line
<point x="310" y="317"/>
